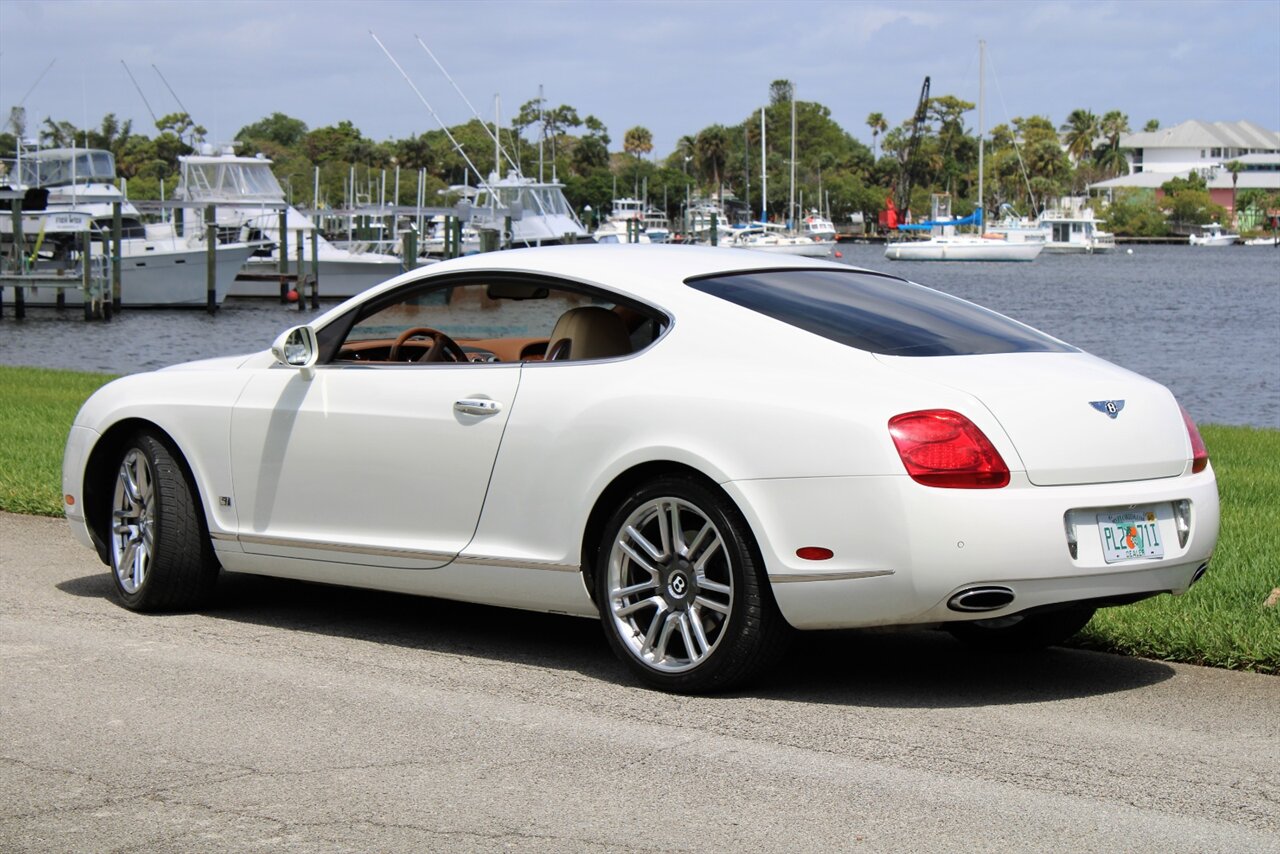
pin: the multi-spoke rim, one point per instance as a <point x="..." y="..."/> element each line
<point x="133" y="521"/>
<point x="670" y="584"/>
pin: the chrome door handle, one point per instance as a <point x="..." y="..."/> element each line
<point x="477" y="406"/>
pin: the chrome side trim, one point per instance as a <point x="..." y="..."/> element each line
<point x="829" y="576"/>
<point x="345" y="548"/>
<point x="511" y="563"/>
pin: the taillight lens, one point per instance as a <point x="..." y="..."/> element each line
<point x="940" y="447"/>
<point x="1199" y="453"/>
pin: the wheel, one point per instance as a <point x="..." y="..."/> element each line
<point x="443" y="348"/>
<point x="160" y="558"/>
<point x="1022" y="632"/>
<point x="682" y="595"/>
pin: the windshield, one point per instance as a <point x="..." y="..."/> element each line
<point x="232" y="180"/>
<point x="62" y="168"/>
<point x="878" y="314"/>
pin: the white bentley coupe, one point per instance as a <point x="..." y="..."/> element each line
<point x="704" y="448"/>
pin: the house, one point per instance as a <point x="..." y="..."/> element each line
<point x="1204" y="148"/>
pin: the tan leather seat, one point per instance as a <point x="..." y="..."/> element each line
<point x="588" y="332"/>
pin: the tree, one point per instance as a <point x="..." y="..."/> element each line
<point x="278" y="128"/>
<point x="1235" y="167"/>
<point x="1111" y="156"/>
<point x="638" y="141"/>
<point x="712" y="152"/>
<point x="181" y="125"/>
<point x="1080" y="130"/>
<point x="1151" y="126"/>
<point x="780" y="92"/>
<point x="878" y="125"/>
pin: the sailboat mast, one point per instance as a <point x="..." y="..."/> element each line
<point x="791" y="202"/>
<point x="764" y="175"/>
<point x="982" y="50"/>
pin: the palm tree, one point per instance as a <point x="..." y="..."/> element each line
<point x="1151" y="126"/>
<point x="878" y="125"/>
<point x="1111" y="158"/>
<point x="1081" y="129"/>
<point x="1235" y="167"/>
<point x="638" y="141"/>
<point x="712" y="149"/>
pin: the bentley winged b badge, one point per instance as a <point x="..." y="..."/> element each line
<point x="1110" y="408"/>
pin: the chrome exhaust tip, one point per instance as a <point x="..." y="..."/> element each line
<point x="1199" y="573"/>
<point x="986" y="598"/>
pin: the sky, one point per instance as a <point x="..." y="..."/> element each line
<point x="672" y="67"/>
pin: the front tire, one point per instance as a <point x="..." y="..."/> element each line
<point x="682" y="593"/>
<point x="161" y="559"/>
<point x="1022" y="632"/>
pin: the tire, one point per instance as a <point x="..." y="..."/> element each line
<point x="1022" y="632"/>
<point x="682" y="594"/>
<point x="161" y="559"/>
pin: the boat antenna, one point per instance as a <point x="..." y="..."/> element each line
<point x="173" y="93"/>
<point x="474" y="112"/>
<point x="456" y="145"/>
<point x="140" y="95"/>
<point x="37" y="83"/>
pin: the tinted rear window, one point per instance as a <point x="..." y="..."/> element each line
<point x="878" y="314"/>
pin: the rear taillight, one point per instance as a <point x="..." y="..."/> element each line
<point x="940" y="447"/>
<point x="1199" y="453"/>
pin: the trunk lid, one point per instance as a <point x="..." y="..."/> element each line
<point x="1072" y="417"/>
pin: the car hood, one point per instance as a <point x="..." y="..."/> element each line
<point x="1054" y="409"/>
<point x="221" y="363"/>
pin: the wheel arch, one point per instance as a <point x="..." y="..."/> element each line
<point x="99" y="474"/>
<point x="607" y="502"/>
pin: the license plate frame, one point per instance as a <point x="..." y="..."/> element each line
<point x="1132" y="534"/>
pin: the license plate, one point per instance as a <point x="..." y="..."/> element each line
<point x="1130" y="535"/>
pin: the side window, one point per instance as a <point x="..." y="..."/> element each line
<point x="504" y="319"/>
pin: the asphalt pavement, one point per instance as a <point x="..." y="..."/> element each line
<point x="294" y="717"/>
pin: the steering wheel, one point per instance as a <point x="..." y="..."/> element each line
<point x="443" y="348"/>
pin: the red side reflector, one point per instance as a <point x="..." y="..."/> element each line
<point x="814" y="553"/>
<point x="71" y="500"/>
<point x="943" y="448"/>
<point x="1199" y="453"/>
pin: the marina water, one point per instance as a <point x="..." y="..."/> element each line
<point x="1203" y="321"/>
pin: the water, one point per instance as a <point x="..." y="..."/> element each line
<point x="1204" y="322"/>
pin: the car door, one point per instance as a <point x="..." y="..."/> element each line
<point x="368" y="465"/>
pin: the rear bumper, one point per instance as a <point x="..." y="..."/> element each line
<point x="902" y="550"/>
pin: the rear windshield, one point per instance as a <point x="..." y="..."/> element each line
<point x="876" y="313"/>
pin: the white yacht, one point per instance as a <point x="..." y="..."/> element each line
<point x="158" y="267"/>
<point x="249" y="198"/>
<point x="633" y="221"/>
<point x="1073" y="229"/>
<point x="540" y="214"/>
<point x="767" y="237"/>
<point x="1213" y="234"/>
<point x="818" y="227"/>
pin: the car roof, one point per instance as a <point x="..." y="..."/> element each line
<point x="646" y="272"/>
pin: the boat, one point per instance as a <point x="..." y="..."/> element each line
<point x="818" y="227"/>
<point x="1213" y="234"/>
<point x="769" y="237"/>
<point x="249" y="200"/>
<point x="159" y="268"/>
<point x="944" y="243"/>
<point x="616" y="228"/>
<point x="1073" y="229"/>
<point x="538" y="212"/>
<point x="1263" y="241"/>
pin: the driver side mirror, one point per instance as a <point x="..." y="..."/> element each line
<point x="298" y="348"/>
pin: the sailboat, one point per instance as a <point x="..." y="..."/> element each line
<point x="944" y="244"/>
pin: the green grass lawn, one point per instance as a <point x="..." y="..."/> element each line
<point x="1224" y="621"/>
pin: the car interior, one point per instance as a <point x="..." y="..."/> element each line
<point x="498" y="320"/>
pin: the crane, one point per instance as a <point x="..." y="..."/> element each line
<point x="901" y="198"/>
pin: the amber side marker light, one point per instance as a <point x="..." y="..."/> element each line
<point x="71" y="500"/>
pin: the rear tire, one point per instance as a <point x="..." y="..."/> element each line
<point x="1022" y="632"/>
<point x="683" y="597"/>
<point x="161" y="559"/>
